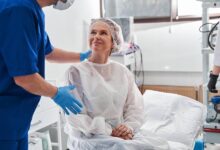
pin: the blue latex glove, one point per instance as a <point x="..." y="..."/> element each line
<point x="66" y="100"/>
<point x="85" y="55"/>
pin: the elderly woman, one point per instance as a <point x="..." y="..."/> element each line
<point x="113" y="106"/>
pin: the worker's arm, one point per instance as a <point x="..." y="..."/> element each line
<point x="61" y="56"/>
<point x="213" y="77"/>
<point x="35" y="84"/>
<point x="216" y="70"/>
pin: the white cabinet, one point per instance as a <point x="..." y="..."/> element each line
<point x="35" y="144"/>
<point x="126" y="59"/>
<point x="47" y="113"/>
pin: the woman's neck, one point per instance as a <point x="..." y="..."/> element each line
<point x="99" y="59"/>
<point x="44" y="3"/>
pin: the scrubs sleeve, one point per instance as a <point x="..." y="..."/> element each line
<point x="48" y="47"/>
<point x="134" y="107"/>
<point x="19" y="51"/>
<point x="83" y="122"/>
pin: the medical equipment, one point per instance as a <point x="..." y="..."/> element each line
<point x="214" y="110"/>
<point x="127" y="53"/>
<point x="211" y="131"/>
<point x="212" y="34"/>
<point x="211" y="128"/>
<point x="131" y="56"/>
<point x="216" y="102"/>
<point x="62" y="5"/>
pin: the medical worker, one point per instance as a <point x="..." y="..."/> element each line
<point x="216" y="68"/>
<point x="24" y="45"/>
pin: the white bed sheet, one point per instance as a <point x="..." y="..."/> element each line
<point x="159" y="107"/>
<point x="178" y="146"/>
<point x="176" y="118"/>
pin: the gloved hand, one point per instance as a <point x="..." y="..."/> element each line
<point x="212" y="82"/>
<point x="85" y="55"/>
<point x="66" y="100"/>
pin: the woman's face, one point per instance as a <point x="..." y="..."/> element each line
<point x="100" y="39"/>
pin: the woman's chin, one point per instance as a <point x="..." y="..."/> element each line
<point x="96" y="49"/>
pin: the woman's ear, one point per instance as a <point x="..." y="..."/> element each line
<point x="110" y="52"/>
<point x="112" y="46"/>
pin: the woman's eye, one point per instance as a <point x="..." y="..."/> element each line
<point x="103" y="33"/>
<point x="93" y="32"/>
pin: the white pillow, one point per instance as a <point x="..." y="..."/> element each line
<point x="173" y="117"/>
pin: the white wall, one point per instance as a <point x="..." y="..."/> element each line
<point x="171" y="47"/>
<point x="172" y="52"/>
<point x="65" y="29"/>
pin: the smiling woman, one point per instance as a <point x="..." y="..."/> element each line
<point x="100" y="38"/>
<point x="106" y="35"/>
<point x="113" y="105"/>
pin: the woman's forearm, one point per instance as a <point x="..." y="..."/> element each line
<point x="216" y="70"/>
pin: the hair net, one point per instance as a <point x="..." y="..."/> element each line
<point x="115" y="30"/>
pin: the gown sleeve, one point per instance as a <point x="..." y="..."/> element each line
<point x="133" y="112"/>
<point x="83" y="122"/>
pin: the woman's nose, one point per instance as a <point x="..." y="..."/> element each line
<point x="97" y="36"/>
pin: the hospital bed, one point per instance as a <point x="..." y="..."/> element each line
<point x="176" y="118"/>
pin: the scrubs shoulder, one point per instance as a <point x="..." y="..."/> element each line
<point x="23" y="46"/>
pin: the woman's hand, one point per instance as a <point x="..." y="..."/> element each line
<point x="122" y="131"/>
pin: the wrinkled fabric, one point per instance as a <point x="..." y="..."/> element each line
<point x="110" y="97"/>
<point x="142" y="140"/>
<point x="173" y="117"/>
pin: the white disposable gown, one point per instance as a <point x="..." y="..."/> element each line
<point x="110" y="97"/>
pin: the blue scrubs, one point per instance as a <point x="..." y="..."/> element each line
<point x="21" y="144"/>
<point x="23" y="46"/>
